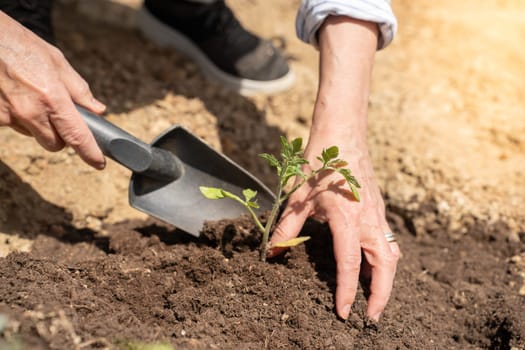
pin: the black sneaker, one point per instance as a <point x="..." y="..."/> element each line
<point x="32" y="14"/>
<point x="214" y="39"/>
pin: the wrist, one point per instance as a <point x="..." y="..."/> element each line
<point x="352" y="146"/>
<point x="338" y="124"/>
<point x="347" y="49"/>
<point x="339" y="121"/>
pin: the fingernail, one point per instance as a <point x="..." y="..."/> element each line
<point x="376" y="317"/>
<point x="271" y="252"/>
<point x="98" y="104"/>
<point x="346" y="311"/>
<point x="100" y="166"/>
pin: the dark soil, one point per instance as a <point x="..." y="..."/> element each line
<point x="77" y="290"/>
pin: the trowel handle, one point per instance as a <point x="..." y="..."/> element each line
<point x="131" y="152"/>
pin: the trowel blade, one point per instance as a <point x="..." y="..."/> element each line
<point x="180" y="202"/>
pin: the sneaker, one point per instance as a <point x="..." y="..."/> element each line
<point x="35" y="15"/>
<point x="214" y="39"/>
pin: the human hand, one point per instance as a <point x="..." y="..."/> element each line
<point x="358" y="230"/>
<point x="38" y="89"/>
<point x="347" y="47"/>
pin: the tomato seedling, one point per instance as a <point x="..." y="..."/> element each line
<point x="288" y="167"/>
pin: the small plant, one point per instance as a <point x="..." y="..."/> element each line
<point x="289" y="167"/>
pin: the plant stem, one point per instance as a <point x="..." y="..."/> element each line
<point x="250" y="210"/>
<point x="269" y="224"/>
<point x="255" y="218"/>
<point x="281" y="197"/>
<point x="303" y="181"/>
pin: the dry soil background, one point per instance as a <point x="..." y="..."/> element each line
<point x="447" y="126"/>
<point x="446" y="112"/>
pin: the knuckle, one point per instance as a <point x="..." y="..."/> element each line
<point x="47" y="96"/>
<point x="83" y="88"/>
<point x="397" y="254"/>
<point x="350" y="264"/>
<point x="391" y="257"/>
<point x="75" y="138"/>
<point x="57" y="55"/>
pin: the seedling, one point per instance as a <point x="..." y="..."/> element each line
<point x="289" y="167"/>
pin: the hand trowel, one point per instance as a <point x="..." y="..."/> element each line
<point x="166" y="175"/>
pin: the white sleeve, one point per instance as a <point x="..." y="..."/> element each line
<point x="312" y="14"/>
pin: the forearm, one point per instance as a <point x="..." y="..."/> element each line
<point x="347" y="48"/>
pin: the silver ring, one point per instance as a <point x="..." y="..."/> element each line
<point x="390" y="237"/>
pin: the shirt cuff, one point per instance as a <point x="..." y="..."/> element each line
<point x="312" y="14"/>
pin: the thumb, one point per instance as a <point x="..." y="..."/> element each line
<point x="289" y="226"/>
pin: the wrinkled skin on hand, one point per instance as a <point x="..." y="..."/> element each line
<point x="360" y="247"/>
<point x="38" y="89"/>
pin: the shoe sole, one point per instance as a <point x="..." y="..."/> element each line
<point x="165" y="36"/>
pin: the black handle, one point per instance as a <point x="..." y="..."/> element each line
<point x="131" y="152"/>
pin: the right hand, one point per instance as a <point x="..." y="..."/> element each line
<point x="38" y="92"/>
<point x="358" y="228"/>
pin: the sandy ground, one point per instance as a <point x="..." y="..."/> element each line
<point x="446" y="115"/>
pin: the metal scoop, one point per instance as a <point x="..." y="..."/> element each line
<point x="167" y="175"/>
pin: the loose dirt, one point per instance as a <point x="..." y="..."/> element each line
<point x="82" y="270"/>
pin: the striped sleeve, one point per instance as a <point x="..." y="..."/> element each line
<point x="312" y="13"/>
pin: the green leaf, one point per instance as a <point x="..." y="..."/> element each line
<point x="330" y="153"/>
<point x="337" y="163"/>
<point x="253" y="204"/>
<point x="270" y="158"/>
<point x="219" y="193"/>
<point x="355" y="193"/>
<point x="290" y="243"/>
<point x="299" y="161"/>
<point x="212" y="192"/>
<point x="249" y="194"/>
<point x="284" y="142"/>
<point x="349" y="177"/>
<point x="297" y="145"/>
<point x="291" y="171"/>
<point x="231" y="196"/>
<point x="286" y="148"/>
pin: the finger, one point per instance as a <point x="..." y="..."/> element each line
<point x="77" y="87"/>
<point x="347" y="254"/>
<point x="29" y="117"/>
<point x="382" y="259"/>
<point x="19" y="128"/>
<point x="290" y="225"/>
<point x="74" y="131"/>
<point x="46" y="135"/>
<point x="394" y="247"/>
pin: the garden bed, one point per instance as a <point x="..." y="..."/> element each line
<point x="80" y="269"/>
<point x="144" y="282"/>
